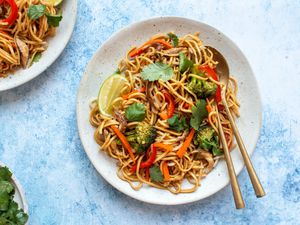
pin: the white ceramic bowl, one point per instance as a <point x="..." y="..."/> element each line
<point x="55" y="48"/>
<point x="105" y="62"/>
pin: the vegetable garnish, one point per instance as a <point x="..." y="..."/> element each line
<point x="207" y="139"/>
<point x="184" y="62"/>
<point x="141" y="137"/>
<point x="165" y="170"/>
<point x="186" y="144"/>
<point x="140" y="50"/>
<point x="174" y="39"/>
<point x="175" y="123"/>
<point x="199" y="113"/>
<point x="166" y="147"/>
<point x="13" y="12"/>
<point x="36" y="11"/>
<point x="149" y="162"/>
<point x="170" y="107"/>
<point x="156" y="71"/>
<point x="124" y="141"/>
<point x="36" y="57"/>
<point x="211" y="72"/>
<point x="9" y="210"/>
<point x="127" y="96"/>
<point x="156" y="174"/>
<point x="53" y="20"/>
<point x="135" y="112"/>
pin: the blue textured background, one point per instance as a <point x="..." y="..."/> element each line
<point x="39" y="139"/>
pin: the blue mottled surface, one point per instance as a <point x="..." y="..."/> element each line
<point x="39" y="139"/>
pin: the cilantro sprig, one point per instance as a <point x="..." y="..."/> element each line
<point x="156" y="174"/>
<point x="135" y="112"/>
<point x="178" y="124"/>
<point x="174" y="39"/>
<point x="36" y="11"/>
<point x="156" y="71"/>
<point x="199" y="113"/>
<point x="9" y="211"/>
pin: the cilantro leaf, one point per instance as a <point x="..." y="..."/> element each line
<point x="174" y="39"/>
<point x="199" y="113"/>
<point x="135" y="112"/>
<point x="36" y="11"/>
<point x="5" y="174"/>
<point x="36" y="57"/>
<point x="156" y="71"/>
<point x="184" y="62"/>
<point x="177" y="124"/>
<point x="9" y="212"/>
<point x="156" y="174"/>
<point x="53" y="20"/>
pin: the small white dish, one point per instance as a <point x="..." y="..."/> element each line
<point x="105" y="62"/>
<point x="19" y="196"/>
<point x="56" y="45"/>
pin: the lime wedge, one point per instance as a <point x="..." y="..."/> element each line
<point x="54" y="2"/>
<point x="110" y="89"/>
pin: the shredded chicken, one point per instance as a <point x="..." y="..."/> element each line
<point x="24" y="50"/>
<point x="121" y="119"/>
<point x="207" y="156"/>
<point x="174" y="50"/>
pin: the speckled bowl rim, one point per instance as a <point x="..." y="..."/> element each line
<point x="81" y="131"/>
<point x="19" y="188"/>
<point x="23" y="76"/>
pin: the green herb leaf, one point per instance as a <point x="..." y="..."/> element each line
<point x="53" y="20"/>
<point x="156" y="71"/>
<point x="199" y="113"/>
<point x="177" y="124"/>
<point x="135" y="112"/>
<point x="184" y="62"/>
<point x="217" y="151"/>
<point x="117" y="71"/>
<point x="5" y="174"/>
<point x="174" y="39"/>
<point x="36" y="57"/>
<point x="36" y="11"/>
<point x="156" y="174"/>
<point x="9" y="212"/>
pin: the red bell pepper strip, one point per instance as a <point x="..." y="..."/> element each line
<point x="141" y="90"/>
<point x="147" y="173"/>
<point x="124" y="142"/>
<point x="140" y="50"/>
<point x="211" y="73"/>
<point x="13" y="11"/>
<point x="149" y="161"/>
<point x="170" y="108"/>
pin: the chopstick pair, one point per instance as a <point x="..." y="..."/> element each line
<point x="259" y="191"/>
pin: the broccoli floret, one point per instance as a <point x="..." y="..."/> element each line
<point x="142" y="137"/>
<point x="207" y="139"/>
<point x="202" y="88"/>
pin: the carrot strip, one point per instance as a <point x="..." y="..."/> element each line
<point x="138" y="51"/>
<point x="124" y="141"/>
<point x="208" y="108"/>
<point x="165" y="171"/>
<point x="186" y="144"/>
<point x="166" y="147"/>
<point x="141" y="90"/>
